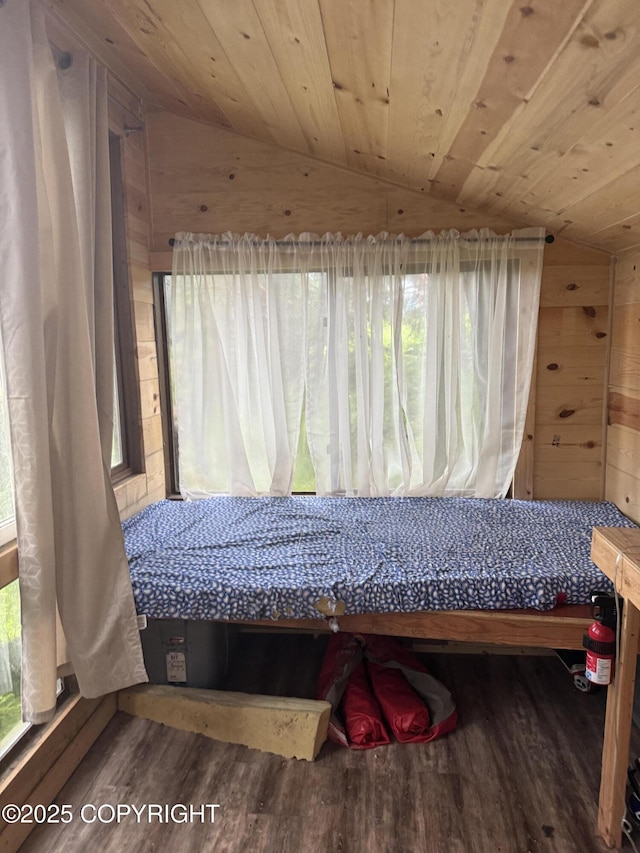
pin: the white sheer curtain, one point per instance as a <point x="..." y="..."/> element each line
<point x="238" y="342"/>
<point x="56" y="316"/>
<point x="413" y="359"/>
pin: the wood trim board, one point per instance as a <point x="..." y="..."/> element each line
<point x="8" y="564"/>
<point x="42" y="770"/>
<point x="616" y="552"/>
<point x="561" y="628"/>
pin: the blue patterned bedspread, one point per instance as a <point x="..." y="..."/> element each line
<point x="270" y="558"/>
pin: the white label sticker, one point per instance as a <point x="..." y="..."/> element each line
<point x="176" y="667"/>
<point x="602" y="673"/>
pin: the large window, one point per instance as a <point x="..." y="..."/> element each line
<point x="351" y="366"/>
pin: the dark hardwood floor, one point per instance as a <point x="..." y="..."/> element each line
<point x="519" y="775"/>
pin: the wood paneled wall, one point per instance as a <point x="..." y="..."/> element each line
<point x="623" y="433"/>
<point x="572" y="357"/>
<point x="205" y="179"/>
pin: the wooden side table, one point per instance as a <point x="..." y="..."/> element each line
<point x="616" y="552"/>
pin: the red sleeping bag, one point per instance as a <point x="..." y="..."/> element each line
<point x="361" y="712"/>
<point x="346" y="652"/>
<point x="403" y="709"/>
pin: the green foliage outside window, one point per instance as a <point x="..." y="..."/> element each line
<point x="10" y="710"/>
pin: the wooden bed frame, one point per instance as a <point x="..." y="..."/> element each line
<point x="560" y="628"/>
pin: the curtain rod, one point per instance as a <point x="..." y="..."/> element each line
<point x="549" y="238"/>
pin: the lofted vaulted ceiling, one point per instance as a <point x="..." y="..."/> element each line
<point x="530" y="109"/>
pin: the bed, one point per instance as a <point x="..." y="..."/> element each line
<point x="502" y="571"/>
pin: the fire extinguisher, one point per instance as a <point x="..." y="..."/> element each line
<point x="600" y="642"/>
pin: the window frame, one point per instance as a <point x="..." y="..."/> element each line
<point x="169" y="438"/>
<point x="124" y="335"/>
<point x="169" y="426"/>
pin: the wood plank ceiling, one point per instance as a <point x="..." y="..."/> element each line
<point x="528" y="109"/>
